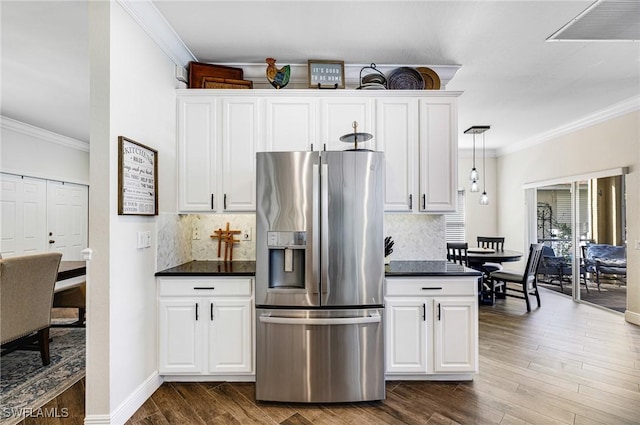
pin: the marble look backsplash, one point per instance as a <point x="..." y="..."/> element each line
<point x="174" y="240"/>
<point x="206" y="248"/>
<point x="416" y="237"/>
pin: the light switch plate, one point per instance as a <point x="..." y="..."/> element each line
<point x="637" y="244"/>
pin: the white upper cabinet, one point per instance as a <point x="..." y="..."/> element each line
<point x="220" y="131"/>
<point x="418" y="137"/>
<point x="241" y="139"/>
<point x="197" y="153"/>
<point x="337" y="116"/>
<point x="438" y="155"/>
<point x="396" y="134"/>
<point x="291" y="124"/>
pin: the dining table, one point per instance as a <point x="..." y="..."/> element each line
<point x="70" y="273"/>
<point x="478" y="256"/>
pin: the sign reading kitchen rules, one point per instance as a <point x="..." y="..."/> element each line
<point x="137" y="178"/>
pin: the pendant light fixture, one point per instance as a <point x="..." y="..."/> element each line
<point x="484" y="199"/>
<point x="474" y="175"/>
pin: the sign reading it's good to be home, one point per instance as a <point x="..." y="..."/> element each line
<point x="137" y="178"/>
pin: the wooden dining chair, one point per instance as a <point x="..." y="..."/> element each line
<point x="457" y="253"/>
<point x="492" y="242"/>
<point x="522" y="283"/>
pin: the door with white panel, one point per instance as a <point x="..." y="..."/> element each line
<point x="67" y="218"/>
<point x="397" y="135"/>
<point x="230" y="336"/>
<point x="291" y="124"/>
<point x="240" y="142"/>
<point x="23" y="215"/>
<point x="337" y="117"/>
<point x="455" y="334"/>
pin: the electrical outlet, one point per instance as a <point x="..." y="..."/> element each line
<point x="637" y="244"/>
<point x="246" y="234"/>
<point x="196" y="233"/>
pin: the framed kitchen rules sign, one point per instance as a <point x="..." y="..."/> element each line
<point x="137" y="178"/>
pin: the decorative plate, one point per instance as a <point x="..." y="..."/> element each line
<point x="431" y="78"/>
<point x="405" y="78"/>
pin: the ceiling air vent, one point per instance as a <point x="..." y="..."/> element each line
<point x="604" y="20"/>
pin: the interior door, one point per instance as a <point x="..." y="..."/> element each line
<point x="67" y="218"/>
<point x="23" y="215"/>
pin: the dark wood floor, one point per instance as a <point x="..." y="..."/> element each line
<point x="565" y="363"/>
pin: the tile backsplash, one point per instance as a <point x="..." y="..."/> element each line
<point x="416" y="237"/>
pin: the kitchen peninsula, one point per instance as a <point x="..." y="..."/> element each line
<point x="207" y="328"/>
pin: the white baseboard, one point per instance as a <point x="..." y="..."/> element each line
<point x="210" y="378"/>
<point x="129" y="406"/>
<point x="632" y="317"/>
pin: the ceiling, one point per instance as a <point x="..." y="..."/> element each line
<point x="513" y="79"/>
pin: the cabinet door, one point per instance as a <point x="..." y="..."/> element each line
<point x="197" y="144"/>
<point x="455" y="335"/>
<point x="337" y="117"/>
<point x="230" y="336"/>
<point x="406" y="335"/>
<point x="397" y="135"/>
<point x="438" y="155"/>
<point x="180" y="336"/>
<point x="291" y="124"/>
<point x="240" y="142"/>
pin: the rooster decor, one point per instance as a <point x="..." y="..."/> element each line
<point x="277" y="77"/>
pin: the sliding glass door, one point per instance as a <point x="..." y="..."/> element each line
<point x="581" y="222"/>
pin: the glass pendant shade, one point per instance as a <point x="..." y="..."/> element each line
<point x="474" y="186"/>
<point x="484" y="199"/>
<point x="474" y="176"/>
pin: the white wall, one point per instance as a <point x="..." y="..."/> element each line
<point x="133" y="95"/>
<point x="606" y="145"/>
<point x="31" y="151"/>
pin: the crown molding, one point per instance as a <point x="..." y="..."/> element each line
<point x="46" y="135"/>
<point x="613" y="111"/>
<point x="156" y="26"/>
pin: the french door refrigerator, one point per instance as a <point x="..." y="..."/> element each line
<point x="319" y="276"/>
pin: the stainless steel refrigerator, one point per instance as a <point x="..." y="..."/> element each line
<point x="319" y="276"/>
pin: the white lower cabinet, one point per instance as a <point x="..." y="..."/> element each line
<point x="206" y="327"/>
<point x="431" y="328"/>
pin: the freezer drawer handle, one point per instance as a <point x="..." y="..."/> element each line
<point x="435" y="288"/>
<point x="373" y="318"/>
<point x="199" y="288"/>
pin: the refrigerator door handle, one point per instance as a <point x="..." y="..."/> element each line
<point x="373" y="317"/>
<point x="315" y="238"/>
<point x="324" y="228"/>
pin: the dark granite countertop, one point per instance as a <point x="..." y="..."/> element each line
<point x="248" y="268"/>
<point x="211" y="268"/>
<point x="428" y="268"/>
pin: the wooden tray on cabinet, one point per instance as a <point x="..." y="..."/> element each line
<point x="198" y="71"/>
<point x="225" y="83"/>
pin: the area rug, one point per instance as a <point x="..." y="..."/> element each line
<point x="26" y="384"/>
